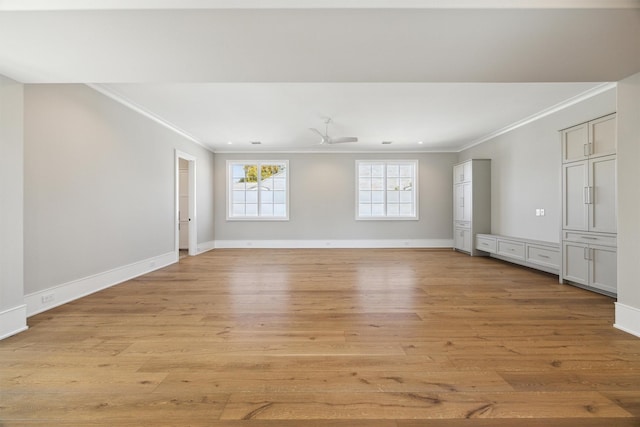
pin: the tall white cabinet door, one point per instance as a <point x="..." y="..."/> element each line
<point x="575" y="264"/>
<point x="575" y="213"/>
<point x="604" y="271"/>
<point x="575" y="143"/>
<point x="602" y="197"/>
<point x="471" y="203"/>
<point x="458" y="174"/>
<point x="467" y="170"/>
<point x="458" y="203"/>
<point x="602" y="136"/>
<point x="467" y="201"/>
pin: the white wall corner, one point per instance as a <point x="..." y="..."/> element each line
<point x="627" y="319"/>
<point x="206" y="246"/>
<point x="40" y="301"/>
<point x="317" y="244"/>
<point x="13" y="321"/>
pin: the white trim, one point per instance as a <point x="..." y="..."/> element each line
<point x="56" y="5"/>
<point x="627" y="319"/>
<point x="40" y="301"/>
<point x="206" y="246"/>
<point x="318" y="244"/>
<point x="541" y="114"/>
<point x="193" y="229"/>
<point x="330" y="151"/>
<point x="13" y="321"/>
<point x="110" y="93"/>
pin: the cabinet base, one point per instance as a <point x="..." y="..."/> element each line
<point x="590" y="288"/>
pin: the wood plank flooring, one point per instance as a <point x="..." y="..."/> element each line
<point x="328" y="337"/>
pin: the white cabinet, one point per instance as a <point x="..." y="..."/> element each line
<point x="590" y="265"/>
<point x="462" y="172"/>
<point x="511" y="248"/>
<point x="544" y="257"/>
<point x="462" y="239"/>
<point x="536" y="254"/>
<point x="592" y="139"/>
<point x="471" y="203"/>
<point x="589" y="204"/>
<point x="462" y="196"/>
<point x="486" y="243"/>
<point x="589" y="195"/>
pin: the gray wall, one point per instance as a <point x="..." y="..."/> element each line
<point x="322" y="200"/>
<point x="526" y="173"/>
<point x="629" y="194"/>
<point x="99" y="185"/>
<point x="11" y="199"/>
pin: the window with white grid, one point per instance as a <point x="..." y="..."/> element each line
<point x="258" y="190"/>
<point x="387" y="189"/>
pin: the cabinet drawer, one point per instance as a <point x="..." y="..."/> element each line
<point x="487" y="244"/>
<point x="511" y="249"/>
<point x="588" y="238"/>
<point x="462" y="224"/>
<point x="543" y="256"/>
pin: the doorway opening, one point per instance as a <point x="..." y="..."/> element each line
<point x="185" y="201"/>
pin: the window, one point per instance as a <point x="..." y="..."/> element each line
<point x="258" y="190"/>
<point x="387" y="189"/>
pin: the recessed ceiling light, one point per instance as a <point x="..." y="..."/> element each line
<point x="420" y="142"/>
<point x="256" y="142"/>
<point x="386" y="142"/>
<point x="229" y="142"/>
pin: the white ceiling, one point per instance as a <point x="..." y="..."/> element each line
<point x="404" y="70"/>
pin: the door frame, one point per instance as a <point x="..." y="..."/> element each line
<point x="193" y="241"/>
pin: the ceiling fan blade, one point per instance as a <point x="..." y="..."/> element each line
<point x="317" y="131"/>
<point x="343" y="139"/>
<point x="324" y="137"/>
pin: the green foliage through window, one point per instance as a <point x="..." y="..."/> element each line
<point x="266" y="171"/>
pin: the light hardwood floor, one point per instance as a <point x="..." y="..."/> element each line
<point x="332" y="337"/>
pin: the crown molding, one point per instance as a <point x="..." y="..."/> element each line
<point x="110" y="93"/>
<point x="546" y="112"/>
<point x="390" y="152"/>
<point x="60" y="5"/>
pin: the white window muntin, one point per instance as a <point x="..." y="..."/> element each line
<point x="387" y="189"/>
<point x="264" y="199"/>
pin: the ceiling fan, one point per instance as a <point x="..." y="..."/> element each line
<point x="326" y="139"/>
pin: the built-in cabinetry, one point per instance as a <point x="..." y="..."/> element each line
<point x="536" y="254"/>
<point x="471" y="203"/>
<point x="589" y="203"/>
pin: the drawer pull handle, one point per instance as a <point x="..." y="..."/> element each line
<point x="543" y="256"/>
<point x="588" y="238"/>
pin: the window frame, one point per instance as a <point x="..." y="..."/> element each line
<point x="386" y="217"/>
<point x="258" y="163"/>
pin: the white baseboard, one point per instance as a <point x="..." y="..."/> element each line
<point x="316" y="244"/>
<point x="40" y="301"/>
<point x="13" y="321"/>
<point x="627" y="319"/>
<point x="206" y="246"/>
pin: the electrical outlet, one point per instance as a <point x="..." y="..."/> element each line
<point x="541" y="212"/>
<point x="48" y="298"/>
